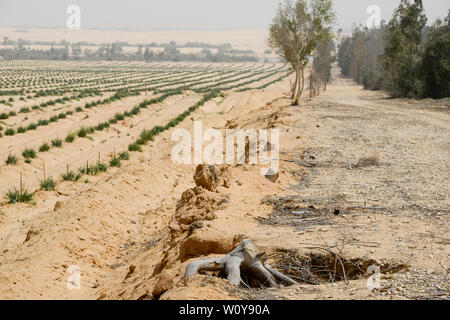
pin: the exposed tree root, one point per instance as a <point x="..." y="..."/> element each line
<point x="246" y="257"/>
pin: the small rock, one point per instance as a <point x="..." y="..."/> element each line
<point x="272" y="176"/>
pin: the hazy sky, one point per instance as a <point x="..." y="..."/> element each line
<point x="182" y="14"/>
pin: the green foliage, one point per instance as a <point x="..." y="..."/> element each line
<point x="323" y="60"/>
<point x="83" y="132"/>
<point x="358" y="57"/>
<point x="19" y="196"/>
<point x="296" y="31"/>
<point x="71" y="176"/>
<point x="405" y="57"/>
<point x="48" y="184"/>
<point x="124" y="155"/>
<point x="93" y="170"/>
<point x="102" y="167"/>
<point x="436" y="61"/>
<point x="10" y="132"/>
<point x="134" y="147"/>
<point x="29" y="153"/>
<point x="141" y="141"/>
<point x="11" y="160"/>
<point x="70" y="138"/>
<point x="115" y="162"/>
<point x="102" y="126"/>
<point x="43" y="122"/>
<point x="57" y="143"/>
<point x="32" y="126"/>
<point x="401" y="58"/>
<point x="44" y="147"/>
<point x="119" y="116"/>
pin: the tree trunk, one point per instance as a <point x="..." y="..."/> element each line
<point x="294" y="88"/>
<point x="318" y="86"/>
<point x="300" y="86"/>
<point x="302" y="80"/>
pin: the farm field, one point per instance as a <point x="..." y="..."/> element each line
<point x="72" y="115"/>
<point x="345" y="186"/>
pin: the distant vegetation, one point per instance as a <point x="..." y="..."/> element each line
<point x="404" y="57"/>
<point x="114" y="51"/>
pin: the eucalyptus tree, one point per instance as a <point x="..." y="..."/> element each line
<point x="402" y="52"/>
<point x="296" y="31"/>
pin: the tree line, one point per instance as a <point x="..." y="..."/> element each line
<point x="114" y="51"/>
<point x="405" y="57"/>
<point x="195" y="44"/>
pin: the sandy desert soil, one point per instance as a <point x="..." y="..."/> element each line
<point x="363" y="181"/>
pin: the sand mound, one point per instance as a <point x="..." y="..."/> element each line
<point x="196" y="205"/>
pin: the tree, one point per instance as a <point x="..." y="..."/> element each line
<point x="322" y="61"/>
<point x="76" y="51"/>
<point x="359" y="56"/>
<point x="401" y="57"/>
<point x="147" y="55"/>
<point x="116" y="48"/>
<point x="345" y="56"/>
<point x="296" y="31"/>
<point x="436" y="61"/>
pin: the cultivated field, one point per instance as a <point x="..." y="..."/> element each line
<point x="65" y="116"/>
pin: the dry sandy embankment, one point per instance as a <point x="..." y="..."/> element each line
<point x="361" y="176"/>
